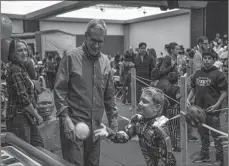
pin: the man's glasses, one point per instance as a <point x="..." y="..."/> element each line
<point x="205" y="43"/>
<point x="94" y="41"/>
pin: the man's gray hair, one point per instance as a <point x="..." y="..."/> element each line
<point x="99" y="24"/>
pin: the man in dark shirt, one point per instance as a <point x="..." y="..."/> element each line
<point x="144" y="64"/>
<point x="83" y="89"/>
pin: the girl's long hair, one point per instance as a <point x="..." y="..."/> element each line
<point x="12" y="48"/>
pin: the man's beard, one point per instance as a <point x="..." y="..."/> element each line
<point x="204" y="49"/>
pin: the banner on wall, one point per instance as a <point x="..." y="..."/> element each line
<point x="57" y="41"/>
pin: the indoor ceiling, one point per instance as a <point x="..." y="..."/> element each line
<point x="99" y="11"/>
<point x="116" y="11"/>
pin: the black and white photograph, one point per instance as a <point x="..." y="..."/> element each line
<point x="114" y="83"/>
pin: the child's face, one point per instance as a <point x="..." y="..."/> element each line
<point x="208" y="61"/>
<point x="147" y="107"/>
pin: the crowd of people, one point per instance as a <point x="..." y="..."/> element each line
<point x="184" y="61"/>
<point x="83" y="87"/>
<point x="207" y="67"/>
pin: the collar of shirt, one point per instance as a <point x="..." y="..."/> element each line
<point x="86" y="51"/>
<point x="19" y="64"/>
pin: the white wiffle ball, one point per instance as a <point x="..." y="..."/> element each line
<point x="82" y="130"/>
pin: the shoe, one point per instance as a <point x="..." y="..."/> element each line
<point x="176" y="149"/>
<point x="217" y="163"/>
<point x="201" y="159"/>
<point x="193" y="139"/>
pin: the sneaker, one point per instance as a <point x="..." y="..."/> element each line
<point x="201" y="159"/>
<point x="193" y="139"/>
<point x="217" y="163"/>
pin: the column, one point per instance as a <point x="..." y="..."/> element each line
<point x="126" y="37"/>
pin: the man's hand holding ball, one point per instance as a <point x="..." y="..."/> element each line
<point x="80" y="131"/>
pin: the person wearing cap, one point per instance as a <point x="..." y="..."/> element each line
<point x="83" y="90"/>
<point x="209" y="86"/>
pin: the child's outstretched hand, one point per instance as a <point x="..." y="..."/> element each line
<point x="213" y="108"/>
<point x="102" y="132"/>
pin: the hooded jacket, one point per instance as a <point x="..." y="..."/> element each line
<point x="207" y="84"/>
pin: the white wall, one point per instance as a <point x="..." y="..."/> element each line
<point x="157" y="33"/>
<point x="79" y="28"/>
<point x="17" y="26"/>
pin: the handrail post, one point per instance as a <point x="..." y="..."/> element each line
<point x="133" y="91"/>
<point x="183" y="124"/>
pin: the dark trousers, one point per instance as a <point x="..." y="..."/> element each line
<point x="24" y="129"/>
<point x="214" y="122"/>
<point x="80" y="153"/>
<point x="50" y="79"/>
<point x="126" y="89"/>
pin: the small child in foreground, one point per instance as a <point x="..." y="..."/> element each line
<point x="150" y="126"/>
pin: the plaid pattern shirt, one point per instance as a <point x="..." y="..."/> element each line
<point x="20" y="89"/>
<point x="153" y="139"/>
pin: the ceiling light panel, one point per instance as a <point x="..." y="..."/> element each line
<point x="114" y="12"/>
<point x="24" y="7"/>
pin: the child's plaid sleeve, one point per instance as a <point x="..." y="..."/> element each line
<point x="128" y="132"/>
<point x="122" y="136"/>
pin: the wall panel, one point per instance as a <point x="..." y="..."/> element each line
<point x="78" y="28"/>
<point x="157" y="33"/>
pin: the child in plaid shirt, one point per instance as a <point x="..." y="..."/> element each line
<point x="150" y="126"/>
